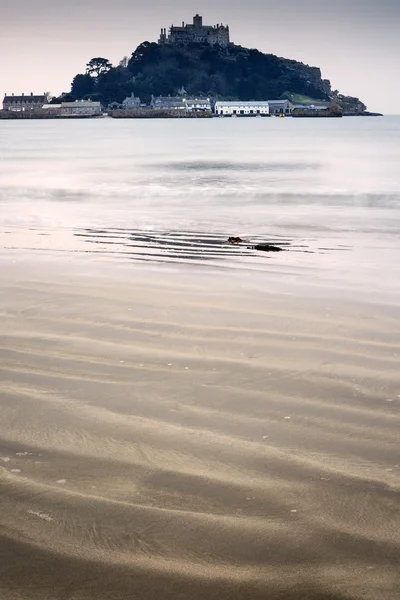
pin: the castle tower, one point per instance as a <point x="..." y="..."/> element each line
<point x="197" y="21"/>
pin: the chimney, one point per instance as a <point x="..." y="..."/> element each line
<point x="23" y="94"/>
<point x="31" y="93"/>
<point x="183" y="23"/>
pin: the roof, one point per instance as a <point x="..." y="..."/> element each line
<point x="81" y="104"/>
<point x="168" y="102"/>
<point x="197" y="100"/>
<point x="279" y="101"/>
<point x="27" y="98"/>
<point x="167" y="99"/>
<point x="131" y="100"/>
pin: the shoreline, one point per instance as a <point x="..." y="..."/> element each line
<point x="163" y="114"/>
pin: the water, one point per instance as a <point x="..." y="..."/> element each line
<point x="327" y="191"/>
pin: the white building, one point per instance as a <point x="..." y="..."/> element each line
<point x="198" y="104"/>
<point x="81" y="108"/>
<point x="242" y="109"/>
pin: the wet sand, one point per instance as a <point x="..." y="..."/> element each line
<point x="167" y="437"/>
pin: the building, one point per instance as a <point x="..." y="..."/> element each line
<point x="180" y="103"/>
<point x="196" y="32"/>
<point x="81" y="108"/>
<point x="168" y="103"/>
<point x="197" y="104"/>
<point x="242" y="109"/>
<point x="22" y="103"/>
<point x="280" y="107"/>
<point x="132" y="102"/>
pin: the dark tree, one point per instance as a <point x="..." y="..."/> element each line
<point x="231" y="73"/>
<point x="82" y="85"/>
<point x="98" y="66"/>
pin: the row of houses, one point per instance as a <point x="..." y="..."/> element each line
<point x="182" y="103"/>
<point x="133" y="102"/>
<point x="32" y="102"/>
<point x="28" y="102"/>
<point x="203" y="104"/>
<point x="221" y="108"/>
<point x="225" y="108"/>
<point x="88" y="107"/>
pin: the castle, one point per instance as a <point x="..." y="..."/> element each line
<point x="196" y="32"/>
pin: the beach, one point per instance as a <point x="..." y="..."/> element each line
<point x="182" y="418"/>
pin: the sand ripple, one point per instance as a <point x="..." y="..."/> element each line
<point x="196" y="442"/>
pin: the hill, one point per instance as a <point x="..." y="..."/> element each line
<point x="231" y="73"/>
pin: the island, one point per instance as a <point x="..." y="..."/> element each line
<point x="190" y="70"/>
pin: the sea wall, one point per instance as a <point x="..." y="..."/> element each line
<point x="316" y="114"/>
<point x="47" y="113"/>
<point x="158" y="114"/>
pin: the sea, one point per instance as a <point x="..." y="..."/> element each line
<point x="170" y="192"/>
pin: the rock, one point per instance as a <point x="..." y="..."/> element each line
<point x="267" y="248"/>
<point x="235" y="240"/>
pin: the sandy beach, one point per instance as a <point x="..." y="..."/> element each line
<point x="166" y="437"/>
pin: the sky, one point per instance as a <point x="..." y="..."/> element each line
<point x="356" y="43"/>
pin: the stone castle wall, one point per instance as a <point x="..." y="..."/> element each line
<point x="196" y="32"/>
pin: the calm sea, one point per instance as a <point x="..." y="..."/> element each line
<point x="165" y="191"/>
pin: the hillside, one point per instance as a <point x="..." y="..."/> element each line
<point x="229" y="73"/>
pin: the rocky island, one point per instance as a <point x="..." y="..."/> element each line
<point x="201" y="60"/>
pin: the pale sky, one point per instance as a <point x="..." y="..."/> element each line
<point x="356" y="43"/>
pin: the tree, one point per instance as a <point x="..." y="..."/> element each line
<point x="82" y="85"/>
<point x="98" y="66"/>
<point x="123" y="62"/>
<point x="232" y="73"/>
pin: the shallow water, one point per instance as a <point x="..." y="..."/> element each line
<point x="181" y="418"/>
<point x="175" y="191"/>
